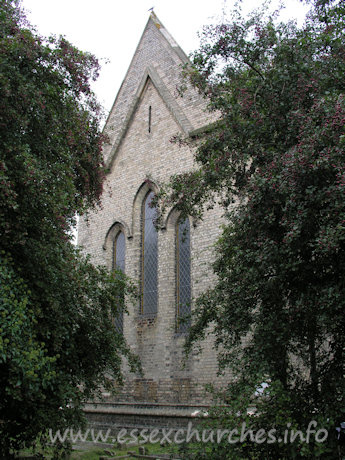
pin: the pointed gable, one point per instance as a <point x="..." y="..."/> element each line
<point x="146" y="114"/>
<point x="160" y="59"/>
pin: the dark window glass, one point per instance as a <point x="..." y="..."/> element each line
<point x="149" y="259"/>
<point x="119" y="264"/>
<point x="150" y="119"/>
<point x="183" y="283"/>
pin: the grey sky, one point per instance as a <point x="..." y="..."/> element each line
<point x="111" y="29"/>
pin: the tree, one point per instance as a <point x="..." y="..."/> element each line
<point x="275" y="161"/>
<point x="57" y="339"/>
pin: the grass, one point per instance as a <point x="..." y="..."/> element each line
<point x="93" y="453"/>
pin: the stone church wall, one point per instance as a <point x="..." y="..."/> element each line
<point x="145" y="151"/>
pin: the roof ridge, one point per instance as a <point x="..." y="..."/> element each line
<point x="167" y="35"/>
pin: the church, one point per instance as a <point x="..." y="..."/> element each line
<point x="171" y="265"/>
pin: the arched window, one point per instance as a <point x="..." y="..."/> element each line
<point x="149" y="259"/>
<point x="119" y="253"/>
<point x="183" y="284"/>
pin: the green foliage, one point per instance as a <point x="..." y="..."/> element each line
<point x="57" y="339"/>
<point x="275" y="162"/>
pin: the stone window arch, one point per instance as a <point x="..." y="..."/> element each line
<point x="183" y="274"/>
<point x="114" y="247"/>
<point x="118" y="263"/>
<point x="149" y="258"/>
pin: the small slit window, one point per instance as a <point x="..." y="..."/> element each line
<point x="149" y="259"/>
<point x="150" y="116"/>
<point x="119" y="254"/>
<point x="183" y="278"/>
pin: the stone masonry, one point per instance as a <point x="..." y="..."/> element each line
<point x="146" y="114"/>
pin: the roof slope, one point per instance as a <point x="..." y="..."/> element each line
<point x="159" y="58"/>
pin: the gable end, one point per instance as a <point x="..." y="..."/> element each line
<point x="175" y="110"/>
